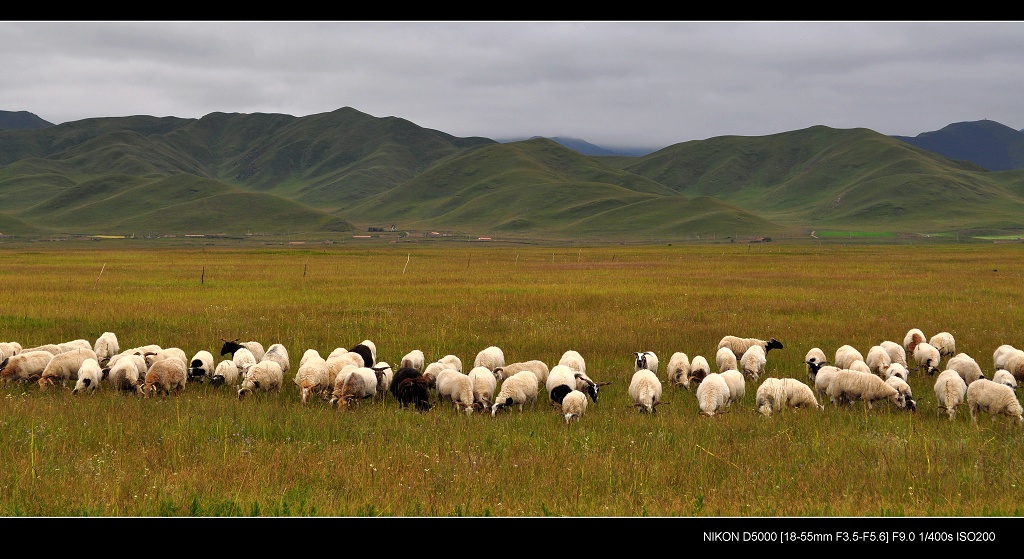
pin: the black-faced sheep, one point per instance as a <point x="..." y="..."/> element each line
<point x="519" y="389"/>
<point x="996" y="399"/>
<point x="89" y="376"/>
<point x="226" y="373"/>
<point x="906" y="394"/>
<point x="201" y="367"/>
<point x="927" y="358"/>
<point x="645" y="360"/>
<point x="230" y="347"/>
<point x="561" y="375"/>
<point x="814" y="360"/>
<point x="739" y="346"/>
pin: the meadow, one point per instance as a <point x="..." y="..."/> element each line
<point x="205" y="453"/>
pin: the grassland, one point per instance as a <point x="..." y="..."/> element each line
<point x="205" y="453"/>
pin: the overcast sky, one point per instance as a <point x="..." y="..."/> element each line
<point x="615" y="84"/>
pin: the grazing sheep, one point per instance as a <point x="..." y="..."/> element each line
<point x="89" y="376"/>
<point x="897" y="370"/>
<point x="230" y="347"/>
<point x="350" y="389"/>
<point x="433" y="369"/>
<point x="265" y="375"/>
<point x="574" y="405"/>
<point x="491" y="357"/>
<point x="373" y="350"/>
<point x="966" y="366"/>
<point x="1014" y="362"/>
<point x="849" y="386"/>
<point x="878" y="360"/>
<point x="861" y="367"/>
<point x="726" y="360"/>
<point x="225" y="373"/>
<point x="74" y="344"/>
<point x="413" y="359"/>
<point x="927" y="358"/>
<point x="451" y="361"/>
<point x="53" y="349"/>
<point x="27" y="366"/>
<point x="739" y="346"/>
<point x="485" y="383"/>
<point x="244" y="360"/>
<point x="737" y="384"/>
<point x="950" y="391"/>
<point x="846" y="355"/>
<point x="897" y="354"/>
<point x="127" y="373"/>
<point x="310" y="354"/>
<point x="712" y="394"/>
<point x="167" y="353"/>
<point x="943" y="341"/>
<point x="105" y="347"/>
<point x="313" y="377"/>
<point x="64" y="367"/>
<point x="699" y="369"/>
<point x="384" y="376"/>
<point x="814" y="359"/>
<point x="753" y="362"/>
<point x="645" y="391"/>
<point x="914" y="336"/>
<point x="906" y="399"/>
<point x="1000" y="354"/>
<point x="9" y="349"/>
<point x="456" y="387"/>
<point x="410" y="386"/>
<point x="1002" y="376"/>
<point x="519" y="389"/>
<point x="994" y="398"/>
<point x="368" y="354"/>
<point x="338" y="361"/>
<point x="776" y="394"/>
<point x="535" y="366"/>
<point x="279" y="354"/>
<point x="573" y="360"/>
<point x="823" y="378"/>
<point x="201" y="367"/>
<point x="678" y="370"/>
<point x="165" y="376"/>
<point x="645" y="360"/>
<point x="561" y="375"/>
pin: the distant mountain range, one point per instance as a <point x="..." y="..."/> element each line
<point x="344" y="172"/>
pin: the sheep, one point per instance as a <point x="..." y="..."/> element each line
<point x="105" y="347"/>
<point x="966" y="366"/>
<point x="846" y="355"/>
<point x="645" y="391"/>
<point x="1000" y="354"/>
<point x="995" y="398"/>
<point x="8" y="349"/>
<point x="413" y="359"/>
<point x="166" y="353"/>
<point x="897" y="354"/>
<point x="310" y="354"/>
<point x="573" y="360"/>
<point x="944" y="342"/>
<point x="433" y="369"/>
<point x="279" y="354"/>
<point x="244" y="360"/>
<point x="452" y="361"/>
<point x="587" y="385"/>
<point x="127" y="373"/>
<point x="574" y="405"/>
<point x="914" y="336"/>
<point x="712" y="394"/>
<point x="678" y="369"/>
<point x="520" y="389"/>
<point x="73" y="345"/>
<point x="64" y="367"/>
<point x="313" y="377"/>
<point x="201" y="367"/>
<point x="368" y="354"/>
<point x="457" y="388"/>
<point x="699" y="369"/>
<point x="226" y="373"/>
<point x="26" y="366"/>
<point x="230" y="347"/>
<point x="753" y="362"/>
<point x="950" y="391"/>
<point x="906" y="399"/>
<point x="410" y="386"/>
<point x="849" y="386"/>
<point x="338" y="361"/>
<point x="878" y="360"/>
<point x="927" y="358"/>
<point x="776" y="394"/>
<point x="1014" y="363"/>
<point x="265" y="375"/>
<point x="861" y="367"/>
<point x="165" y="376"/>
<point x="359" y="384"/>
<point x="726" y="360"/>
<point x="89" y="376"/>
<point x="737" y="385"/>
<point x="485" y="382"/>
<point x="823" y="378"/>
<point x="384" y="375"/>
<point x="739" y="346"/>
<point x="645" y="360"/>
<point x="814" y="359"/>
<point x="535" y="366"/>
<point x="897" y="370"/>
<point x="491" y="357"/>
<point x="1002" y="376"/>
<point x="561" y="375"/>
<point x="373" y="350"/>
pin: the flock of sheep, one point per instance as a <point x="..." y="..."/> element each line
<point x="348" y="376"/>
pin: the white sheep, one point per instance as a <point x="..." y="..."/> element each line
<point x="433" y="369"/>
<point x="8" y="349"/>
<point x="645" y="360"/>
<point x="927" y="358"/>
<point x="491" y="357"/>
<point x="897" y="370"/>
<point x="358" y="385"/>
<point x="561" y="381"/>
<point x="753" y="362"/>
<point x="310" y="353"/>
<point x="878" y="360"/>
<point x="105" y="347"/>
<point x="574" y="405"/>
<point x="520" y="389"/>
<point x="645" y="391"/>
<point x="994" y="398"/>
<point x="244" y="360"/>
<point x="914" y="336"/>
<point x="906" y="395"/>
<point x="27" y="366"/>
<point x="950" y="391"/>
<point x="64" y="367"/>
<point x="127" y="373"/>
<point x="849" y="386"/>
<point x="573" y="360"/>
<point x="53" y="349"/>
<point x="89" y="376"/>
<point x="451" y="361"/>
<point x="776" y="394"/>
<point x="1014" y="363"/>
<point x="1002" y="376"/>
<point x="677" y="371"/>
<point x="165" y="376"/>
<point x="737" y="384"/>
<point x="861" y="367"/>
<point x="944" y="342"/>
<point x="712" y="394"/>
<point x="226" y="373"/>
<point x="699" y="368"/>
<point x="448" y="382"/>
<point x="279" y="354"/>
<point x="966" y="366"/>
<point x="72" y="345"/>
<point x="897" y="354"/>
<point x="846" y="355"/>
<point x="814" y="360"/>
<point x="1000" y="354"/>
<point x="264" y="375"/>
<point x="201" y="366"/>
<point x="822" y="380"/>
<point x="313" y="377"/>
<point x="535" y="366"/>
<point x="414" y="359"/>
<point x="337" y="362"/>
<point x="167" y="353"/>
<point x="739" y="346"/>
<point x="726" y="360"/>
<point x="485" y="383"/>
